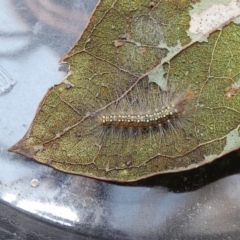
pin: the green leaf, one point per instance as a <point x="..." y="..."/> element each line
<point x="125" y="45"/>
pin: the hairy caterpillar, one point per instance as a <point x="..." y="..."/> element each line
<point x="146" y="111"/>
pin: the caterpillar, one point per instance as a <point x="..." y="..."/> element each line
<point x="146" y="111"/>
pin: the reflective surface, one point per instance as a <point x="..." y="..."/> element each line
<point x="40" y="202"/>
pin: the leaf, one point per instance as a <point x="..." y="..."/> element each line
<point x="127" y="44"/>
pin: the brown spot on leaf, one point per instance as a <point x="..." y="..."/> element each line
<point x="124" y="36"/>
<point x="68" y="86"/>
<point x="78" y="134"/>
<point x="55" y="146"/>
<point x="118" y="43"/>
<point x="152" y="4"/>
<point x="230" y="91"/>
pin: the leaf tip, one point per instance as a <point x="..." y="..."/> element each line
<point x="25" y="151"/>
